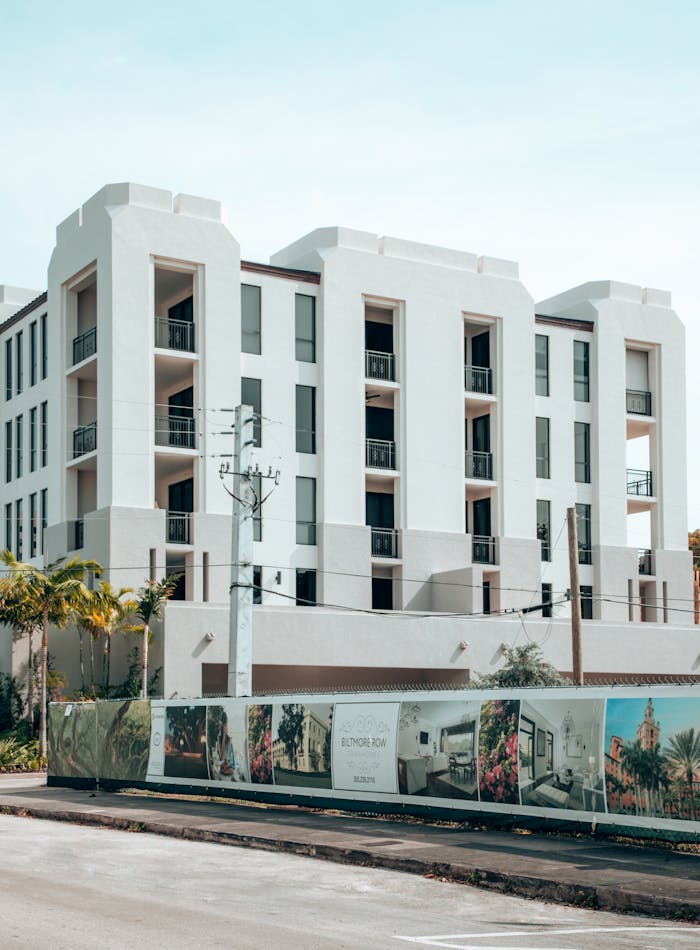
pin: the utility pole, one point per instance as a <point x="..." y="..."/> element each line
<point x="576" y="650"/>
<point x="240" y="654"/>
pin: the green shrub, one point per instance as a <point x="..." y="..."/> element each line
<point x="16" y="756"/>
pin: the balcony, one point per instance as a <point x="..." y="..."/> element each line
<point x="178" y="527"/>
<point x="638" y="402"/>
<point x="176" y="432"/>
<point x="639" y="483"/>
<point x="646" y="561"/>
<point x="84" y="439"/>
<point x="380" y="366"/>
<point x="174" y="334"/>
<point x="585" y="554"/>
<point x="478" y="465"/>
<point x="85" y="345"/>
<point x="76" y="536"/>
<point x="483" y="549"/>
<point x="385" y="542"/>
<point x="380" y="454"/>
<point x="478" y="379"/>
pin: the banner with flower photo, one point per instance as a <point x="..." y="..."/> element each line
<point x="498" y="751"/>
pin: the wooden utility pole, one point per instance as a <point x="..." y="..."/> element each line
<point x="576" y="650"/>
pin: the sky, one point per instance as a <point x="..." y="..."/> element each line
<point x="674" y="716"/>
<point x="565" y="136"/>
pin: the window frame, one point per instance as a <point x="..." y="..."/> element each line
<point x="544" y="529"/>
<point x="306" y="528"/>
<point x="541" y="365"/>
<point x="301" y="340"/>
<point x="305" y="434"/>
<point x="582" y="381"/>
<point x="256" y="403"/>
<point x="542" y="463"/>
<point x="582" y="465"/>
<point x="248" y="335"/>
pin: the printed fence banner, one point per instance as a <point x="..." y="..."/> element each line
<point x="227" y="742"/>
<point x="72" y="740"/>
<point x="364" y="746"/>
<point x="260" y="743"/>
<point x="185" y="742"/>
<point x="301" y="744"/>
<point x="123" y="739"/>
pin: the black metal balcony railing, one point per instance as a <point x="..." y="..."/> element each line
<point x="385" y="542"/>
<point x="78" y="535"/>
<point x="85" y="345"/>
<point x="175" y="431"/>
<point x="478" y="465"/>
<point x="646" y="561"/>
<point x="84" y="439"/>
<point x="478" y="379"/>
<point x="638" y="402"/>
<point x="380" y="454"/>
<point x="380" y="365"/>
<point x="178" y="527"/>
<point x="174" y="334"/>
<point x="483" y="549"/>
<point x="585" y="554"/>
<point x="639" y="482"/>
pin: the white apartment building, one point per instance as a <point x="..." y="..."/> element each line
<point x="429" y="422"/>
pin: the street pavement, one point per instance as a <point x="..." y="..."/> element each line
<point x="580" y="871"/>
<point x="66" y="887"/>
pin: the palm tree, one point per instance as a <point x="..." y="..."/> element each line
<point x="16" y="611"/>
<point x="632" y="758"/>
<point x="683" y="754"/>
<point x="53" y="595"/>
<point x="150" y="604"/>
<point x="107" y="612"/>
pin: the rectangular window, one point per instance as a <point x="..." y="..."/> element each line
<point x="581" y="371"/>
<point x="250" y="319"/>
<point x="306" y="510"/>
<point x="542" y="446"/>
<point x="582" y="451"/>
<point x="32" y="439"/>
<point x="8" y="368"/>
<point x="306" y="588"/>
<point x="8" y="451"/>
<point x="546" y="600"/>
<point x="586" y="602"/>
<point x="8" y="526"/>
<point x="541" y="365"/>
<point x="251" y="395"/>
<point x="257" y="584"/>
<point x="257" y="514"/>
<point x="527" y="746"/>
<point x="44" y="348"/>
<point x="19" y="353"/>
<point x="583" y="530"/>
<point x="305" y="324"/>
<point x="33" y="525"/>
<point x="18" y="529"/>
<point x="306" y="419"/>
<point x="544" y="527"/>
<point x="33" y="353"/>
<point x="44" y="433"/>
<point x="44" y="519"/>
<point x="550" y="751"/>
<point x="19" y="446"/>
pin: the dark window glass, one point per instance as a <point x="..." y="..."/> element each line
<point x="541" y="365"/>
<point x="19" y="446"/>
<point x="8" y="368"/>
<point x="586" y="602"/>
<point x="546" y="600"/>
<point x="306" y="418"/>
<point x="257" y="514"/>
<point x="19" y="526"/>
<point x="32" y="353"/>
<point x="250" y="319"/>
<point x="583" y="530"/>
<point x="582" y="451"/>
<point x="305" y="324"/>
<point x="306" y="587"/>
<point x="44" y="518"/>
<point x="382" y="593"/>
<point x="33" y="525"/>
<point x="527" y="746"/>
<point x="8" y="451"/>
<point x="44" y="433"/>
<point x="257" y="584"/>
<point x="581" y="371"/>
<point x="8" y="526"/>
<point x="542" y="446"/>
<point x="306" y="510"/>
<point x="44" y="348"/>
<point x="251" y="395"/>
<point x="19" y="353"/>
<point x="544" y="527"/>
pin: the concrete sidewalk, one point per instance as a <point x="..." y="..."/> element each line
<point x="580" y="871"/>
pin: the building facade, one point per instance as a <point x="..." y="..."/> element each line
<point x="430" y="425"/>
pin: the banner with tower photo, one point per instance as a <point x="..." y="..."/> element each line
<point x="652" y="757"/>
<point x="227" y="742"/>
<point x="301" y="744"/>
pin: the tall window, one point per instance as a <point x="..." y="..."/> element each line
<point x="546" y="600"/>
<point x="19" y="446"/>
<point x="306" y="418"/>
<point x="44" y="518"/>
<point x="19" y="353"/>
<point x="306" y="587"/>
<point x="32" y="439"/>
<point x="19" y="517"/>
<point x="251" y="395"/>
<point x="44" y="433"/>
<point x="527" y="746"/>
<point x="542" y="446"/>
<point x="544" y="527"/>
<point x="8" y="451"/>
<point x="541" y="365"/>
<point x="8" y="368"/>
<point x="581" y="371"/>
<point x="33" y="353"/>
<point x="583" y="530"/>
<point x="257" y="514"/>
<point x="306" y="510"/>
<point x="8" y="526"/>
<point x="250" y="319"/>
<point x="582" y="452"/>
<point x="305" y="324"/>
<point x="33" y="526"/>
<point x="44" y="347"/>
<point x="586" y="602"/>
<point x="257" y="584"/>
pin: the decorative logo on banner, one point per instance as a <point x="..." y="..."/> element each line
<point x="364" y="747"/>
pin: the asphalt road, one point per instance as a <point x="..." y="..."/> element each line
<point x="66" y="886"/>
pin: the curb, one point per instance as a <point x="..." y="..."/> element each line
<point x="613" y="899"/>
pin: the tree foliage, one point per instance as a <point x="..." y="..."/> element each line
<point x="524" y="666"/>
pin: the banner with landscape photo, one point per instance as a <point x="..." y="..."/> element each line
<point x="185" y="742"/>
<point x="123" y="739"/>
<point x="72" y="740"/>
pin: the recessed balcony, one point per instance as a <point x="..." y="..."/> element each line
<point x="385" y="542"/>
<point x="85" y="345"/>
<point x="76" y="535"/>
<point x="640" y="490"/>
<point x="478" y="380"/>
<point x="178" y="527"/>
<point x="478" y="465"/>
<point x="646" y="562"/>
<point x="380" y="454"/>
<point x="483" y="549"/>
<point x="175" y="432"/>
<point x="380" y="366"/>
<point x="173" y="334"/>
<point x="638" y="402"/>
<point x="84" y="439"/>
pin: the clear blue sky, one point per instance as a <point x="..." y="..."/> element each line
<point x="562" y="135"/>
<point x="674" y="715"/>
